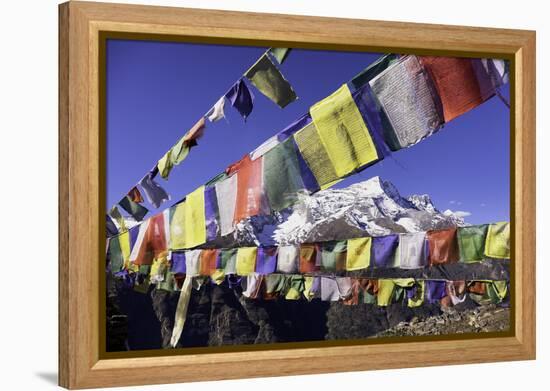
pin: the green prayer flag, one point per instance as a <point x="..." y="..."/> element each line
<point x="116" y="259"/>
<point x="282" y="177"/>
<point x="137" y="211"/>
<point x="265" y="76"/>
<point x="179" y="152"/>
<point x="471" y="242"/>
<point x="373" y="70"/>
<point x="333" y="256"/>
<point x="280" y="54"/>
<point x="115" y="214"/>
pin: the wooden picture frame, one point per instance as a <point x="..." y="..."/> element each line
<point x="82" y="204"/>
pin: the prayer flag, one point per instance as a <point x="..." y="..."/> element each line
<point x="406" y="95"/>
<point x="177" y="226"/>
<point x="443" y="246"/>
<point x="456" y="84"/>
<point x="343" y="132"/>
<point x="333" y="255"/>
<point x="211" y="213"/>
<point x="165" y="164"/>
<point x="135" y="195"/>
<point x="195" y="133"/>
<point x="315" y="155"/>
<point x="373" y="70"/>
<point x="308" y="257"/>
<point x="226" y="196"/>
<point x="195" y="219"/>
<point x="358" y="253"/>
<point x="155" y="194"/>
<point x="280" y="54"/>
<point x="217" y="111"/>
<point x="246" y="260"/>
<point x="136" y="210"/>
<point x="287" y="259"/>
<point x="497" y="243"/>
<point x="383" y="248"/>
<point x="411" y="251"/>
<point x="115" y="214"/>
<point x="471" y="242"/>
<point x="228" y="261"/>
<point x="435" y="291"/>
<point x="250" y="200"/>
<point x="281" y="175"/>
<point x="266" y="260"/>
<point x="241" y="98"/>
<point x="265" y="76"/>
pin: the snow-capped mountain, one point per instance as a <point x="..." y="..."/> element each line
<point x="373" y="207"/>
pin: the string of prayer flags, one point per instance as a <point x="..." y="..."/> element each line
<point x="497" y="243"/>
<point x="406" y="94"/>
<point x="155" y="194"/>
<point x="217" y="112"/>
<point x="241" y="98"/>
<point x="343" y="132"/>
<point x="443" y="246"/>
<point x="265" y="76"/>
<point x="280" y="54"/>
<point x="136" y="210"/>
<point x="471" y="242"/>
<point x="456" y="83"/>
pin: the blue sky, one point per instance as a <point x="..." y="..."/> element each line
<point x="157" y="90"/>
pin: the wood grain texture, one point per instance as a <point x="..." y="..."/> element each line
<point x="81" y="173"/>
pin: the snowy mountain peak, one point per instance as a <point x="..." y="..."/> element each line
<point x="372" y="207"/>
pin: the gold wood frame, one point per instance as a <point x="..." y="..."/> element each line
<point x="82" y="363"/>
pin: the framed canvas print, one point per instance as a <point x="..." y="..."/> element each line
<point x="329" y="194"/>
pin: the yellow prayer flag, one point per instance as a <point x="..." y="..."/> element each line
<point x="165" y="164"/>
<point x="497" y="243"/>
<point x="218" y="276"/>
<point x="308" y="285"/>
<point x="418" y="298"/>
<point x="195" y="219"/>
<point x="124" y="240"/>
<point x="358" y="255"/>
<point x="385" y="292"/>
<point x="343" y="132"/>
<point x="246" y="260"/>
<point x="314" y="153"/>
<point x="177" y="223"/>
